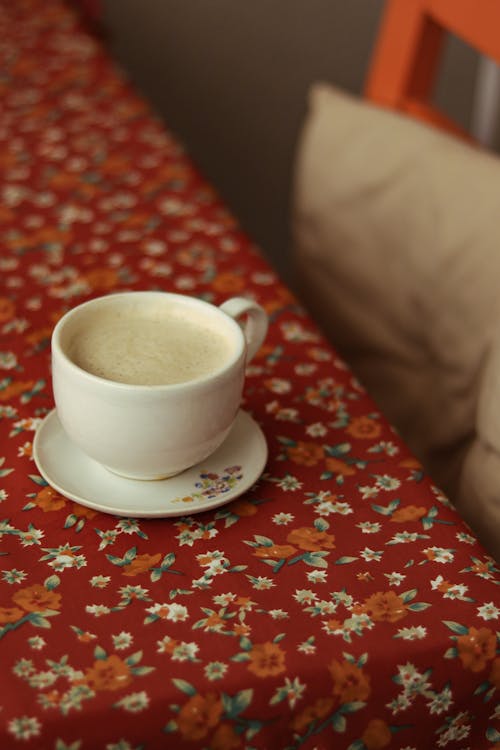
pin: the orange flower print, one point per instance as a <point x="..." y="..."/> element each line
<point x="481" y="568"/>
<point x="6" y="214"/>
<point x="350" y="683"/>
<point x="385" y="606"/>
<point x="241" y="629"/>
<point x="243" y="508"/>
<point x="7" y="159"/>
<point x="267" y="659"/>
<point x="200" y="714"/>
<point x="365" y="576"/>
<point x="364" y="428"/>
<point x="15" y="388"/>
<point x="283" y="298"/>
<point x="310" y="539"/>
<point x="443" y="586"/>
<point x="275" y="552"/>
<point x="244" y="603"/>
<point x="128" y="109"/>
<point x="337" y="466"/>
<point x="204" y="559"/>
<point x="10" y="614"/>
<point x="64" y="180"/>
<point x="172" y="172"/>
<point x="224" y="738"/>
<point x="195" y="256"/>
<point x="88" y="190"/>
<point x="376" y="735"/>
<point x="305" y="454"/>
<point x="37" y="598"/>
<point x="136" y="219"/>
<point x="320" y="708"/>
<point x="115" y="164"/>
<point x="214" y="621"/>
<point x="101" y="279"/>
<point x="265" y="350"/>
<point x="25" y="450"/>
<point x="81" y="511"/>
<point x="48" y="499"/>
<point x="141" y="564"/>
<point x="7" y="309"/>
<point x="228" y="282"/>
<point x="476" y="648"/>
<point x="52" y="699"/>
<point x="408" y="513"/>
<point x="332" y="625"/>
<point x="86" y="637"/>
<point x="168" y="645"/>
<point x="108" y="674"/>
<point x="318" y="397"/>
<point x="494" y="677"/>
<point x="18" y="241"/>
<point x="410" y="463"/>
<point x="39" y="335"/>
<point x="48" y="235"/>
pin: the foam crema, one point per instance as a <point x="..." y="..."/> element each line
<point x="151" y="347"/>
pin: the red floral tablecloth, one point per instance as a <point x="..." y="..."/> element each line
<point x="340" y="603"/>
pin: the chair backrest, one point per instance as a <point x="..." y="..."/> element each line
<point x="409" y="45"/>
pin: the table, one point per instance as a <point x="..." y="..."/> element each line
<point x="340" y="602"/>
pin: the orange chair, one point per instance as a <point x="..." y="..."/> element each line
<point x="410" y="41"/>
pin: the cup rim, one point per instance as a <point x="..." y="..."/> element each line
<point x="212" y="377"/>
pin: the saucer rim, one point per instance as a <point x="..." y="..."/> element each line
<point x="259" y="462"/>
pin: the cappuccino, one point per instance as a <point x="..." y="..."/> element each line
<point x="149" y="348"/>
<point x="167" y="377"/>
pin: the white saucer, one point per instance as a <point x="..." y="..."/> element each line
<point x="224" y="475"/>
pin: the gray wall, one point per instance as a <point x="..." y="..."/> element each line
<point x="230" y="78"/>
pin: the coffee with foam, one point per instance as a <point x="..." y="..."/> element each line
<point x="150" y="347"/>
<point x="168" y="379"/>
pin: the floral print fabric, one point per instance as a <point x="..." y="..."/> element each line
<point x="341" y="602"/>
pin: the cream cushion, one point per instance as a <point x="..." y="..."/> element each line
<point x="396" y="230"/>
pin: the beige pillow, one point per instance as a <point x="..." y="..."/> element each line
<point x="479" y="490"/>
<point x="397" y="242"/>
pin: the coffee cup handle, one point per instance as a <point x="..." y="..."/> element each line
<point x="256" y="323"/>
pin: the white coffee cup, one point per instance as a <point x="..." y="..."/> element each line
<point x="155" y="429"/>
